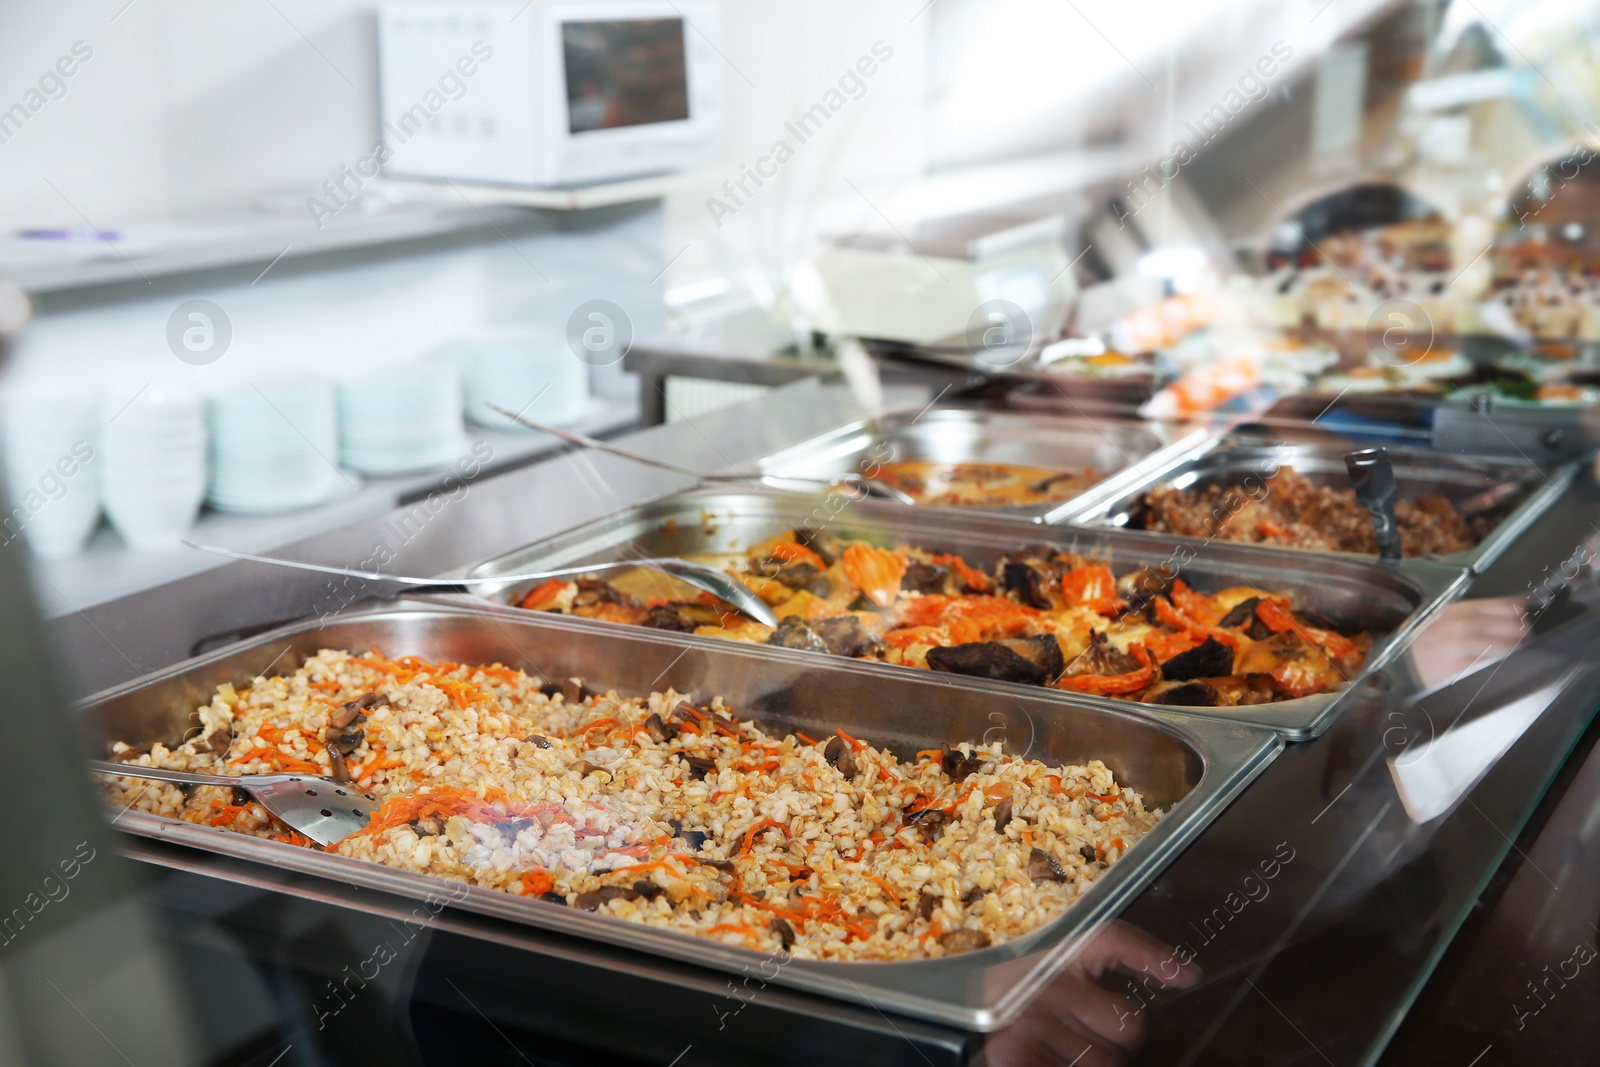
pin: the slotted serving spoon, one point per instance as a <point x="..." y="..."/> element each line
<point x="869" y="486"/>
<point x="324" y="810"/>
<point x="724" y="587"/>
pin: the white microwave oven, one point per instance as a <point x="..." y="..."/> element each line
<point x="548" y="95"/>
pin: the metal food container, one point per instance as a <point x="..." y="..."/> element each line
<point x="1390" y="600"/>
<point x="1117" y="451"/>
<point x="1230" y="461"/>
<point x="1188" y="765"/>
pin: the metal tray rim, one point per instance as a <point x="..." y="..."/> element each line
<point x="1232" y="755"/>
<point x="1301" y="719"/>
<point x="1185" y="440"/>
<point x="1091" y="509"/>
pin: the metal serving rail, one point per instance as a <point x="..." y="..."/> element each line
<point x="1321" y="960"/>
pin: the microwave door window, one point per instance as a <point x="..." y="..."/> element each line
<point x="624" y="72"/>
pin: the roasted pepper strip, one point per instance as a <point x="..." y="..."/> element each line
<point x="874" y="572"/>
<point x="1276" y="619"/>
<point x="1106" y="684"/>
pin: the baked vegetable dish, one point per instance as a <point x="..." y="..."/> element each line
<point x="659" y="811"/>
<point x="1295" y="512"/>
<point x="1039" y="616"/>
<point x="983" y="484"/>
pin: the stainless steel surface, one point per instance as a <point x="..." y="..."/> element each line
<point x="1190" y="765"/>
<point x="1391" y="601"/>
<point x="1116" y="451"/>
<point x="698" y="575"/>
<point x="867" y="485"/>
<point x="321" y="808"/>
<point x="1230" y="460"/>
<point x="1372" y="477"/>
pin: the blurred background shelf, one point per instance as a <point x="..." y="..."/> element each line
<point x="108" y="569"/>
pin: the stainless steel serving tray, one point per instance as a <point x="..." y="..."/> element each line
<point x="1189" y="765"/>
<point x="1418" y="472"/>
<point x="1119" y="451"/>
<point x="1391" y="600"/>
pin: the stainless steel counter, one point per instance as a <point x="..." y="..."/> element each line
<point x="1317" y="961"/>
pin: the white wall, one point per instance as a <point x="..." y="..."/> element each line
<point x="193" y="105"/>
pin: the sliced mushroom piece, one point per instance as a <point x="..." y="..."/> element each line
<point x="138" y="750"/>
<point x="973" y="895"/>
<point x="1088" y="853"/>
<point x="1210" y="659"/>
<point x="1042" y="867"/>
<point x="1030" y="584"/>
<point x="926" y="902"/>
<point x="344" y="714"/>
<point x="1025" y="660"/>
<point x="725" y="866"/>
<point x="538" y="741"/>
<point x="699" y="766"/>
<point x="799" y="576"/>
<point x="957" y="764"/>
<point x="373" y="700"/>
<point x="842" y="756"/>
<point x="695" y="839"/>
<point x="1181" y="694"/>
<point x="687" y="712"/>
<point x="846" y="636"/>
<point x="593" y="899"/>
<point x="1002" y="815"/>
<point x="823" y="543"/>
<point x="1241" y="615"/>
<point x="666" y="617"/>
<point x="795" y="632"/>
<point x="573" y="691"/>
<point x="784" y="931"/>
<point x="929" y="820"/>
<point x="583" y="768"/>
<point x="241" y="796"/>
<point x="660" y="732"/>
<point x="339" y="769"/>
<point x="598" y="591"/>
<point x="926" y="578"/>
<point x="647" y="889"/>
<point x="554" y="898"/>
<point x="1101" y="657"/>
<point x="963" y="940"/>
<point x="219" y="742"/>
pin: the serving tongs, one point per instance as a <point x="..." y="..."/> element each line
<point x="324" y="810"/>
<point x="724" y="587"/>
<point x="1372" y="477"/>
<point x="868" y="486"/>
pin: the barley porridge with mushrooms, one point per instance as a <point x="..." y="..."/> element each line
<point x="659" y="811"/>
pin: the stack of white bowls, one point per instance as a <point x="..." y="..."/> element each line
<point x="50" y="471"/>
<point x="408" y="420"/>
<point x="152" y="460"/>
<point x="523" y="372"/>
<point x="274" y="447"/>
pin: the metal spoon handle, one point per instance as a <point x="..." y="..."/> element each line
<point x="161" y="774"/>
<point x="450" y="583"/>
<point x="585" y="441"/>
<point x="868" y="485"/>
<point x="1372" y="477"/>
<point x="699" y="575"/>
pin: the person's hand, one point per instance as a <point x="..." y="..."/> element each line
<point x="1467" y="635"/>
<point x="1075" y="1020"/>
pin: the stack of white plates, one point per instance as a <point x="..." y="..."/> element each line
<point x="409" y="420"/>
<point x="524" y="373"/>
<point x="274" y="447"/>
<point x="50" y="470"/>
<point x="152" y="461"/>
